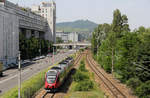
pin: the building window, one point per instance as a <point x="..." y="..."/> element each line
<point x="42" y="10"/>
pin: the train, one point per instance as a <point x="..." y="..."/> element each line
<point x="56" y="76"/>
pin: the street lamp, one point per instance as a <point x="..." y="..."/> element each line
<point x="19" y="76"/>
<point x="53" y="54"/>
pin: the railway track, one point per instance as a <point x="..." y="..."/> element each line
<point x="78" y="58"/>
<point x="108" y="83"/>
<point x="44" y="94"/>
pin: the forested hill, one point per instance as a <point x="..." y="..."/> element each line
<point x="76" y="26"/>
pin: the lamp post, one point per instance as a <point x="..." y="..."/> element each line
<point x="53" y="55"/>
<point x="19" y="76"/>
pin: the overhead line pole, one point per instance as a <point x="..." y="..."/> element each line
<point x="19" y="76"/>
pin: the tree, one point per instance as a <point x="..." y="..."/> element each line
<point x="119" y="28"/>
<point x="143" y="90"/>
<point x="128" y="53"/>
<point x="30" y="47"/>
<point x="143" y="56"/>
<point x="94" y="43"/>
<point x="100" y="33"/>
<point x="59" y="40"/>
<point x="141" y="29"/>
<point x="104" y="56"/>
<point x="126" y="48"/>
<point x="120" y="23"/>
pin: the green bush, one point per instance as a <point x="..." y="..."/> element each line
<point x="133" y="83"/>
<point x="85" y="85"/>
<point x="80" y="76"/>
<point x="82" y="67"/>
<point x="81" y="50"/>
<point x="82" y="62"/>
<point x="143" y="91"/>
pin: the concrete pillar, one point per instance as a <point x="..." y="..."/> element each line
<point x="41" y="35"/>
<point x="28" y="34"/>
<point x="36" y="34"/>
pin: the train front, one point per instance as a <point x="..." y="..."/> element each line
<point x="50" y="81"/>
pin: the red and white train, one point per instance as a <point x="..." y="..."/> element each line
<point x="55" y="77"/>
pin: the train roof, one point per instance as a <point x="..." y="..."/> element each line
<point x="51" y="73"/>
<point x="63" y="62"/>
<point x="69" y="58"/>
<point x="56" y="67"/>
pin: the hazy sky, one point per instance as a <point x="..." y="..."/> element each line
<point x="99" y="11"/>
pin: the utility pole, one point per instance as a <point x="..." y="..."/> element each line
<point x="97" y="45"/>
<point x="40" y="48"/>
<point x="53" y="54"/>
<point x="19" y="76"/>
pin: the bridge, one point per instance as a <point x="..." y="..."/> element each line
<point x="74" y="44"/>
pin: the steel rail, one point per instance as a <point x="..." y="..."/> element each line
<point x="115" y="91"/>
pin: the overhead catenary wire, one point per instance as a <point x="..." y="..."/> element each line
<point x="138" y="65"/>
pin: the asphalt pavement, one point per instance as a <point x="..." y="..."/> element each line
<point x="10" y="79"/>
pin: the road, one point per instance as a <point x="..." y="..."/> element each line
<point x="10" y="78"/>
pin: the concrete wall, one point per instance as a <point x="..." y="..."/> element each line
<point x="9" y="36"/>
<point x="14" y="20"/>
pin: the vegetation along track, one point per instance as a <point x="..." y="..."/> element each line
<point x="44" y="94"/>
<point x="114" y="90"/>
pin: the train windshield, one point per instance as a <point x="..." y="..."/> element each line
<point x="51" y="79"/>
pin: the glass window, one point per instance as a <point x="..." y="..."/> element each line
<point x="51" y="79"/>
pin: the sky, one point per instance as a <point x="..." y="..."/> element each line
<point x="98" y="11"/>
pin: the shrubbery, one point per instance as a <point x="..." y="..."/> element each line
<point x="81" y="50"/>
<point x="82" y="78"/>
<point x="143" y="91"/>
<point x="82" y="66"/>
<point x="84" y="85"/>
<point x="133" y="83"/>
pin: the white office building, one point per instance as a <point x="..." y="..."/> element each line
<point x="48" y="11"/>
<point x="68" y="36"/>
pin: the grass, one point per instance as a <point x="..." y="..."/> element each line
<point x="29" y="87"/>
<point x="93" y="93"/>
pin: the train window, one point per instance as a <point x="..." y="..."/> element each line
<point x="51" y="79"/>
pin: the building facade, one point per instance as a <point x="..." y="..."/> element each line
<point x="48" y="11"/>
<point x="68" y="36"/>
<point x="15" y="20"/>
<point x="9" y="36"/>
